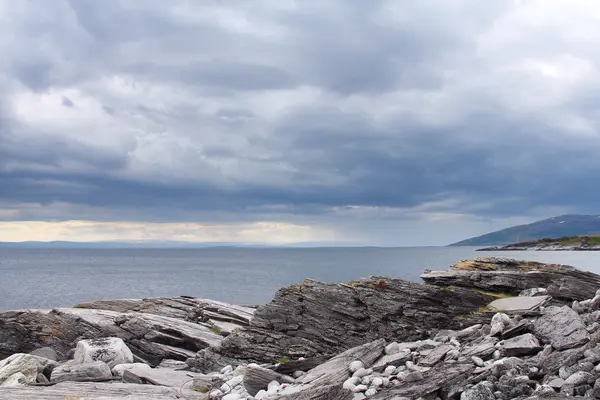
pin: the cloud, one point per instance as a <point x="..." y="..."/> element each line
<point x="372" y="120"/>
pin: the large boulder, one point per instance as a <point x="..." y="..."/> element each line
<point x="513" y="276"/>
<point x="112" y="351"/>
<point x="94" y="371"/>
<point x="25" y="366"/>
<point x="561" y="327"/>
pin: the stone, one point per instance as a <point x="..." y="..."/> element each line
<point x="111" y="350"/>
<point x="436" y="355"/>
<point x="17" y="379"/>
<point x="518" y="304"/>
<point x="392" y="348"/>
<point x="483" y="349"/>
<point x="258" y="378"/>
<point x="94" y="371"/>
<point x="499" y="323"/>
<point x="25" y="364"/>
<point x="119" y="369"/>
<point x="391" y="360"/>
<point x="561" y="327"/>
<point x="520" y="345"/>
<point x="41" y="378"/>
<point x="578" y="378"/>
<point x="412" y="376"/>
<point x="556" y="383"/>
<point x="46" y="352"/>
<point x="355" y="366"/>
<point x="478" y="392"/>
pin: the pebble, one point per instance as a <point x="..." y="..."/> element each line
<point x="370" y="392"/>
<point x="360" y="388"/>
<point x="377" y="382"/>
<point x="389" y="371"/>
<point x="362" y="372"/>
<point x="355" y="366"/>
<point x="478" y="361"/>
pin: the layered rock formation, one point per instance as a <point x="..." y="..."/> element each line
<point x="444" y="337"/>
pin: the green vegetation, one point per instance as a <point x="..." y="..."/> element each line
<point x="498" y="295"/>
<point x="202" y="389"/>
<point x="283" y="360"/>
<point x="215" y="329"/>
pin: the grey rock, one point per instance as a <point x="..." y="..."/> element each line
<point x="557" y="359"/>
<point x="518" y="304"/>
<point x="507" y="276"/>
<point x="46" y="352"/>
<point x="436" y="355"/>
<point x="104" y="391"/>
<point x="521" y="345"/>
<point x="95" y="371"/>
<point x="578" y="378"/>
<point x="556" y="383"/>
<point x="483" y="349"/>
<point x="561" y="327"/>
<point x="257" y="378"/>
<point x="500" y="322"/>
<point x="478" y="392"/>
<point x="442" y="377"/>
<point x="596" y="392"/>
<point x="395" y="359"/>
<point x="41" y="378"/>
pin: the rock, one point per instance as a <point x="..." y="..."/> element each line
<point x="41" y="378"/>
<point x="325" y="377"/>
<point x="520" y="345"/>
<point x="355" y="366"/>
<point x="394" y="360"/>
<point x="556" y="383"/>
<point x="112" y="351"/>
<point x="304" y="364"/>
<point x="597" y="389"/>
<point x="17" y="379"/>
<point x="578" y="378"/>
<point x="441" y="377"/>
<point x="392" y="348"/>
<point x="512" y="276"/>
<point x="412" y="376"/>
<point x="478" y="392"/>
<point x="518" y="304"/>
<point x="119" y="369"/>
<point x="534" y="292"/>
<point x="436" y="355"/>
<point x="94" y="371"/>
<point x="334" y="317"/>
<point x="258" y="378"/>
<point x="45" y="352"/>
<point x="150" y="337"/>
<point x="94" y="391"/>
<point x="500" y="322"/>
<point x="483" y="349"/>
<point x="561" y="327"/>
<point x="24" y="364"/>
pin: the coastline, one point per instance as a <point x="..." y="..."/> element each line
<point x="465" y="321"/>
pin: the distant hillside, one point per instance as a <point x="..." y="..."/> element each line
<point x="574" y="243"/>
<point x="556" y="227"/>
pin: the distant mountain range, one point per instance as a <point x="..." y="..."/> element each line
<point x="556" y="227"/>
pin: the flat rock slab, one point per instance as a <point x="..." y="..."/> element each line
<point x="561" y="327"/>
<point x="160" y="376"/>
<point x="97" y="391"/>
<point x="518" y="304"/>
<point x="521" y="345"/>
<point x="435" y="355"/>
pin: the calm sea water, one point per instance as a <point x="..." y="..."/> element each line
<point x="54" y="278"/>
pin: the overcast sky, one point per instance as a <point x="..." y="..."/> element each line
<point x="277" y="121"/>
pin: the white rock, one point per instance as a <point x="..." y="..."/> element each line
<point x="360" y="388"/>
<point x="366" y="380"/>
<point x="215" y="394"/>
<point x="496" y="355"/>
<point x="273" y="387"/>
<point x="260" y="395"/>
<point x="17" y="379"/>
<point x="389" y="371"/>
<point x="227" y="370"/>
<point x="377" y="382"/>
<point x="112" y="351"/>
<point x="370" y="392"/>
<point x="350" y="383"/>
<point x="239" y="371"/>
<point x="298" y="374"/>
<point x="355" y="366"/>
<point x="358" y="396"/>
<point x="26" y="364"/>
<point x="500" y="322"/>
<point x="478" y="361"/>
<point x="118" y="370"/>
<point x="231" y="396"/>
<point x="392" y="348"/>
<point x="359" y="373"/>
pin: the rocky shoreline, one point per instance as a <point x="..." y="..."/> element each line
<point x="484" y="329"/>
<point x="569" y="243"/>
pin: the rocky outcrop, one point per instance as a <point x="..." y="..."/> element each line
<point x="169" y="329"/>
<point x="377" y="337"/>
<point x="509" y="277"/>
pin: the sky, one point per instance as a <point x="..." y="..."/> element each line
<point x="374" y="122"/>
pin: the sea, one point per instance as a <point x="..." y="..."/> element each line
<point x="49" y="278"/>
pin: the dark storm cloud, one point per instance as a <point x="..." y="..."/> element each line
<point x="176" y="111"/>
